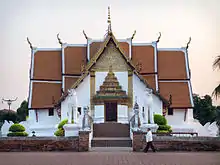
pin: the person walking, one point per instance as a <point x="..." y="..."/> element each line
<point x="149" y="140"/>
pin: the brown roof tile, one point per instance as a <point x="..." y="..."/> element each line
<point x="125" y="48"/>
<point x="179" y="91"/>
<point x="150" y="80"/>
<point x="43" y="93"/>
<point x="171" y="65"/>
<point x="145" y="56"/>
<point x="94" y="47"/>
<point x="74" y="58"/>
<point x="47" y="65"/>
<point x="69" y="81"/>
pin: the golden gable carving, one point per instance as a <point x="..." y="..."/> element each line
<point x="111" y="57"/>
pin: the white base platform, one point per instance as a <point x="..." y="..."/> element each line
<point x="153" y="127"/>
<point x="71" y="129"/>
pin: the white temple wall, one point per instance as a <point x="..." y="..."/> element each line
<point x="177" y="118"/>
<point x="83" y="98"/>
<point x="43" y="117"/>
<point x="139" y="90"/>
<point x="189" y="114"/>
<point x="83" y="92"/>
<point x="99" y="114"/>
<point x="32" y="116"/>
<point x="121" y="76"/>
<point x="43" y="124"/>
<point x="122" y="114"/>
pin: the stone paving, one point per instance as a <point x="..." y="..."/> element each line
<point x="110" y="157"/>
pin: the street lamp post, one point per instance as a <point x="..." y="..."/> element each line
<point x="9" y="102"/>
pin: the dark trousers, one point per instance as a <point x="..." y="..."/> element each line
<point x="149" y="144"/>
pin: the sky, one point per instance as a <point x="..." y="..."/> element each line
<point x="41" y="20"/>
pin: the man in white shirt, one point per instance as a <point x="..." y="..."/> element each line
<point x="149" y="140"/>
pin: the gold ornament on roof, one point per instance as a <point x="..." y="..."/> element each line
<point x="138" y="67"/>
<point x="83" y="68"/>
<point x="109" y="21"/>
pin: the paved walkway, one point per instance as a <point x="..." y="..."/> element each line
<point x="109" y="158"/>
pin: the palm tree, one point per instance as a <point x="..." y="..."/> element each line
<point x="216" y="65"/>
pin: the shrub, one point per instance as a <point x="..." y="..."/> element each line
<point x="17" y="134"/>
<point x="62" y="123"/>
<point x="160" y="120"/>
<point x="164" y="127"/>
<point x="163" y="131"/>
<point x="17" y="128"/>
<point x="59" y="132"/>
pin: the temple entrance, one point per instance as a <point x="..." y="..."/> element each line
<point x="111" y="111"/>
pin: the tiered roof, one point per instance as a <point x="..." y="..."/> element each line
<point x="53" y="71"/>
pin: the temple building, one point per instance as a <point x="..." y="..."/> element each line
<point x="109" y="76"/>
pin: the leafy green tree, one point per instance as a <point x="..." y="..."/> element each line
<point x="8" y="116"/>
<point x="204" y="111"/>
<point x="22" y="111"/>
<point x="216" y="65"/>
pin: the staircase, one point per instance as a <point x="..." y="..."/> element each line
<point x="111" y="134"/>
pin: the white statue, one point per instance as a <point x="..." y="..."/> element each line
<point x="148" y="111"/>
<point x="72" y="107"/>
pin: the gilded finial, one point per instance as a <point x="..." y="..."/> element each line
<point x="138" y="66"/>
<point x="29" y="43"/>
<point x="109" y="21"/>
<point x="158" y="39"/>
<point x="133" y="35"/>
<point x="85" y="34"/>
<point x="187" y="46"/>
<point x="59" y="40"/>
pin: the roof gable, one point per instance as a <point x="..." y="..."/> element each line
<point x="111" y="56"/>
<point x="111" y="39"/>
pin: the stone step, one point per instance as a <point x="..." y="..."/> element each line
<point x="111" y="129"/>
<point x="111" y="142"/>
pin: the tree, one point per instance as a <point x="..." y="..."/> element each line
<point x="8" y="115"/>
<point x="216" y="65"/>
<point x="204" y="111"/>
<point x="22" y="111"/>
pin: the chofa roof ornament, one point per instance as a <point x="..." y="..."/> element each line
<point x="133" y="35"/>
<point x="187" y="46"/>
<point x="59" y="40"/>
<point x="29" y="43"/>
<point x="158" y="39"/>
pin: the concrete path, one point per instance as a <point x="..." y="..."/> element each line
<point x="109" y="157"/>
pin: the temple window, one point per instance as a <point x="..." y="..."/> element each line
<point x="170" y="111"/>
<point x="79" y="110"/>
<point x="51" y="112"/>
